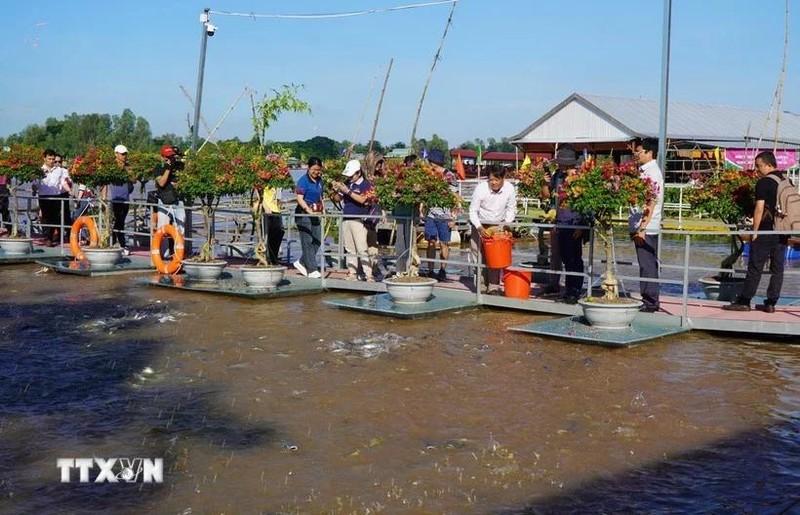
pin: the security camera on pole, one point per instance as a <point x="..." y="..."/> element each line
<point x="208" y="30"/>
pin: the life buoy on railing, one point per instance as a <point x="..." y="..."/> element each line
<point x="174" y="265"/>
<point x="75" y="236"/>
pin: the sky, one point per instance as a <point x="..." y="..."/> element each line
<point x="503" y="65"/>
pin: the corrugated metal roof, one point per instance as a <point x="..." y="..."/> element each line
<point x="686" y="121"/>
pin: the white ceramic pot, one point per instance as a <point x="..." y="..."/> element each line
<point x="406" y="290"/>
<point x="102" y="258"/>
<point x="16" y="246"/>
<point x="203" y="272"/>
<point x="618" y="315"/>
<point x="725" y="290"/>
<point x="263" y="277"/>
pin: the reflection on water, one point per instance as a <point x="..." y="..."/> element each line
<point x="288" y="405"/>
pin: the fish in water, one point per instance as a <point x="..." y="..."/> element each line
<point x="369" y="345"/>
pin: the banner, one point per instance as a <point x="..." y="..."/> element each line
<point x="745" y="158"/>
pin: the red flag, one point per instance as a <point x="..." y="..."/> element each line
<point x="460" y="168"/>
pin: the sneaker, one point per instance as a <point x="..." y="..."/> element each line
<point x="648" y="309"/>
<point x="769" y="308"/>
<point x="734" y="306"/>
<point x="300" y="268"/>
<point x="442" y="275"/>
<point x="315" y="275"/>
<point x="126" y="252"/>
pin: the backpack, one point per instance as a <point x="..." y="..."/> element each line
<point x="787" y="205"/>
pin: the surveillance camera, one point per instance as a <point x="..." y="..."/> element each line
<point x="210" y="29"/>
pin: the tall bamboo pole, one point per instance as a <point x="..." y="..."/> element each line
<point x="380" y="104"/>
<point x="430" y="73"/>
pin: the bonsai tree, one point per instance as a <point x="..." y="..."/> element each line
<point x="210" y="174"/>
<point x="598" y="191"/>
<point x="20" y="164"/>
<point x="265" y="173"/>
<point x="729" y="196"/>
<point x="97" y="168"/>
<point x="270" y="171"/>
<point x="413" y="185"/>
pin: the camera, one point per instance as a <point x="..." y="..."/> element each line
<point x="176" y="164"/>
<point x="210" y="29"/>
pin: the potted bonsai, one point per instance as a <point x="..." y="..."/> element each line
<point x="402" y="185"/>
<point x="598" y="191"/>
<point x="97" y="168"/>
<point x="19" y="164"/>
<point x="727" y="195"/>
<point x="263" y="173"/>
<point x="211" y="173"/>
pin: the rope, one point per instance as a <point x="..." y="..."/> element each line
<point x="322" y="16"/>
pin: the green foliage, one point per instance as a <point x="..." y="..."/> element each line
<point x="270" y="108"/>
<point x="418" y="184"/>
<point x="727" y="195"/>
<point x="599" y="189"/>
<point x="141" y="164"/>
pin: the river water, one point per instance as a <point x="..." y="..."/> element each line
<point x="291" y="406"/>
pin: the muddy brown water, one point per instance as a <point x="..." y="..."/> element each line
<point x="291" y="406"/>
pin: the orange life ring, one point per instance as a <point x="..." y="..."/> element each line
<point x="174" y="265"/>
<point x="75" y="236"/>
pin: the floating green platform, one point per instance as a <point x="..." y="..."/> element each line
<point x="381" y="304"/>
<point x="576" y="328"/>
<point x="232" y="284"/>
<point x="128" y="265"/>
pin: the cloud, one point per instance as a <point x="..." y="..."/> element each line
<point x="41" y="24"/>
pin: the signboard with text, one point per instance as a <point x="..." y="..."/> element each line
<point x="745" y="158"/>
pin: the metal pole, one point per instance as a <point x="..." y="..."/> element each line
<point x="662" y="130"/>
<point x="200" y="71"/>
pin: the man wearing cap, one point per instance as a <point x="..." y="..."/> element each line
<point x="169" y="206"/>
<point x="494" y="202"/>
<point x="356" y="199"/>
<point x="120" y="195"/>
<point x="439" y="221"/>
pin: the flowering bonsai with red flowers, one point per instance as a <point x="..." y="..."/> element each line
<point x="598" y="191"/>
<point x="415" y="185"/>
<point x="20" y="164"/>
<point x="729" y="196"/>
<point x="97" y="168"/>
<point x="266" y="172"/>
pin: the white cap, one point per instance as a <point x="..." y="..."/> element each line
<point x="352" y="166"/>
<point x="121" y="149"/>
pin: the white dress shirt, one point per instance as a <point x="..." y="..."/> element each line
<point x="55" y="181"/>
<point x="492" y="207"/>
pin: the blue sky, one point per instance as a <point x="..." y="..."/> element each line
<point x="504" y="62"/>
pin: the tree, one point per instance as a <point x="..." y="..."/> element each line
<point x="438" y="143"/>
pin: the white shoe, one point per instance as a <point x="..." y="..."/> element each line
<point x="126" y="252"/>
<point x="315" y="275"/>
<point x="300" y="268"/>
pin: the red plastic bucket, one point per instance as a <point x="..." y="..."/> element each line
<point x="517" y="283"/>
<point x="497" y="252"/>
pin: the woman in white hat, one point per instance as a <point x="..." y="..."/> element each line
<point x="357" y="196"/>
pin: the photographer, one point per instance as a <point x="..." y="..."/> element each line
<point x="170" y="208"/>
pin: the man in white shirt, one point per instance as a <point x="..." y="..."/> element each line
<point x="494" y="202"/>
<point x="53" y="191"/>
<point x="645" y="226"/>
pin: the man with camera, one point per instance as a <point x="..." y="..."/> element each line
<point x="170" y="209"/>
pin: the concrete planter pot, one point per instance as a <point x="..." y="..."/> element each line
<point x="610" y="315"/>
<point x="724" y="289"/>
<point x="16" y="246"/>
<point x="102" y="258"/>
<point x="410" y="290"/>
<point x="263" y="277"/>
<point x="203" y="272"/>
